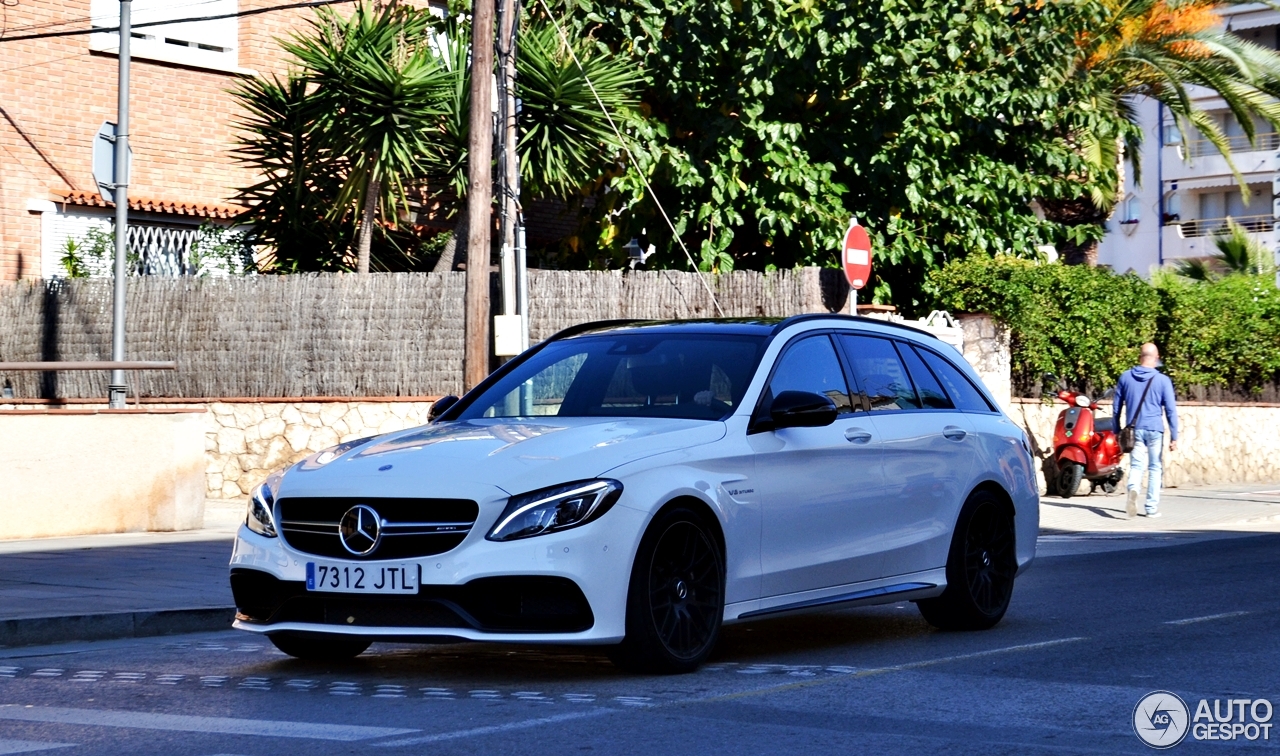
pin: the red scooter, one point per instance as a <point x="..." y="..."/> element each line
<point x="1084" y="446"/>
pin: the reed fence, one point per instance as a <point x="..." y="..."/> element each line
<point x="395" y="334"/>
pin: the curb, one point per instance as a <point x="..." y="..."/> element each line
<point x="39" y="631"/>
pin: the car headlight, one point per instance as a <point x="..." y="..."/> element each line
<point x="553" y="509"/>
<point x="262" y="504"/>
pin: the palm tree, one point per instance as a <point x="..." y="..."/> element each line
<point x="289" y="208"/>
<point x="1237" y="254"/>
<point x="1157" y="49"/>
<point x="378" y="109"/>
<point x="378" y="91"/>
<point x="565" y="140"/>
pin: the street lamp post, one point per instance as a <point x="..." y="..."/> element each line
<point x="118" y="390"/>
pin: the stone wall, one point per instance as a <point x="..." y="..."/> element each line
<point x="1217" y="443"/>
<point x="246" y="441"/>
<point x="986" y="347"/>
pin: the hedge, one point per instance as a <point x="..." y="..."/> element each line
<point x="1082" y="327"/>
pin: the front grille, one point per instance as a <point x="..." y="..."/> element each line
<point x="410" y="527"/>
<point x="517" y="604"/>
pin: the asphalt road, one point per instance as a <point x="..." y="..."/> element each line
<point x="1087" y="636"/>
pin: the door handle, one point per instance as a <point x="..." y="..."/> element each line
<point x="857" y="435"/>
<point x="955" y="433"/>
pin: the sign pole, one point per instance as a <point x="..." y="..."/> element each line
<point x="853" y="302"/>
<point x="118" y="390"/>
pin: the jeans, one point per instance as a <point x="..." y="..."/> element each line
<point x="1147" y="450"/>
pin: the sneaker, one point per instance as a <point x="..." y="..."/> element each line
<point x="1153" y="514"/>
<point x="1131" y="504"/>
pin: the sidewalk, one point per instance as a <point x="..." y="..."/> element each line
<point x="118" y="586"/>
<point x="140" y="584"/>
<point x="1229" y="508"/>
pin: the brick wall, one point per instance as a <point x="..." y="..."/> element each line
<point x="57" y="93"/>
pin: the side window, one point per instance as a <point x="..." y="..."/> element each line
<point x="880" y="372"/>
<point x="931" y="394"/>
<point x="962" y="391"/>
<point x="811" y="365"/>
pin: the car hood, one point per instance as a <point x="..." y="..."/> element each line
<point x="463" y="459"/>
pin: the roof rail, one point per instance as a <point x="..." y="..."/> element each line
<point x="574" y="330"/>
<point x="852" y="318"/>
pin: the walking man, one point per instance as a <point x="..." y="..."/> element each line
<point x="1148" y="394"/>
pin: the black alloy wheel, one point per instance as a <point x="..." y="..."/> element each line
<point x="676" y="600"/>
<point x="980" y="568"/>
<point x="320" y="646"/>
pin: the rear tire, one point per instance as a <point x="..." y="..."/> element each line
<point x="981" y="568"/>
<point x="1069" y="477"/>
<point x="319" y="646"/>
<point x="675" y="602"/>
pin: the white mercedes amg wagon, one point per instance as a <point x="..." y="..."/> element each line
<point x="638" y="484"/>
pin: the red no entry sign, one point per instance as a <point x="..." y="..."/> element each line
<point x="857" y="255"/>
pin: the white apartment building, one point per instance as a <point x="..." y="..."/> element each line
<point x="1187" y="191"/>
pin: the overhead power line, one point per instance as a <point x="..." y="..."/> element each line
<point x="239" y="14"/>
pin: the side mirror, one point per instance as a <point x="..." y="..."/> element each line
<point x="802" y="409"/>
<point x="440" y="406"/>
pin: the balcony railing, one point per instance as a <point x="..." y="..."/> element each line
<point x="1237" y="143"/>
<point x="1254" y="224"/>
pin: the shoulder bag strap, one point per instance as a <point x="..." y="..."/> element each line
<point x="1137" y="413"/>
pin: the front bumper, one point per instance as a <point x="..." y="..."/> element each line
<point x="509" y="605"/>
<point x="566" y="587"/>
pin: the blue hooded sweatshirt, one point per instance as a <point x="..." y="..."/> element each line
<point x="1129" y="391"/>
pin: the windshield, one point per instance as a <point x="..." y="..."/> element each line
<point x="691" y="376"/>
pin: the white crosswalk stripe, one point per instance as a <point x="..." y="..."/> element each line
<point x="28" y="746"/>
<point x="186" y="723"/>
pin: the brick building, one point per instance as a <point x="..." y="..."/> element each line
<point x="56" y="92"/>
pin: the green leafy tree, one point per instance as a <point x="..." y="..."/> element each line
<point x="773" y="122"/>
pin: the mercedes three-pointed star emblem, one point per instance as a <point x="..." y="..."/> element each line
<point x="360" y="530"/>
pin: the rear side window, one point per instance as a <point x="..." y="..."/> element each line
<point x="931" y="394"/>
<point x="962" y="392"/>
<point x="880" y="372"/>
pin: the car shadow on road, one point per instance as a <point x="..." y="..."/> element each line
<point x="479" y="664"/>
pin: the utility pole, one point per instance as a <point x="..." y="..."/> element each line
<point x="479" y="195"/>
<point x="118" y="390"/>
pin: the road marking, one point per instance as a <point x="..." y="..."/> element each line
<point x="185" y="723"/>
<point x="885" y="670"/>
<point x="29" y="746"/>
<point x="1206" y="618"/>
<point x="523" y="724"/>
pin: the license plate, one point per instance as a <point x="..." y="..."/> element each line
<point x="362" y="578"/>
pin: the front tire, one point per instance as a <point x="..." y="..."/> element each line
<point x="675" y="602"/>
<point x="980" y="568"/>
<point x="1069" y="478"/>
<point x="319" y="646"/>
